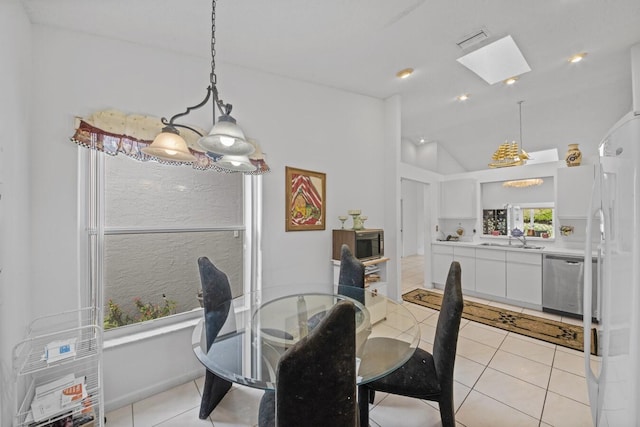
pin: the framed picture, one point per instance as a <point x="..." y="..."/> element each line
<point x="305" y="204"/>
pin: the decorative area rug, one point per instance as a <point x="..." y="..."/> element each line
<point x="559" y="333"/>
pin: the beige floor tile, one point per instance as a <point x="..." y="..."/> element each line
<point x="522" y="368"/>
<point x="570" y="362"/>
<point x="467" y="371"/>
<point x="399" y="317"/>
<point x="489" y="336"/>
<point x="475" y="351"/>
<point x="560" y="411"/>
<point x="569" y="385"/>
<point x="532" y="350"/>
<point x="512" y="391"/>
<point x="122" y="417"/>
<point x="404" y="411"/>
<point x="238" y="408"/>
<point x="165" y="405"/>
<point x="533" y="340"/>
<point x="419" y="312"/>
<point x="427" y="332"/>
<point x="186" y="419"/>
<point x="460" y="393"/>
<point x="479" y="410"/>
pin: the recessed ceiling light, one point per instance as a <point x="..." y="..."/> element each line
<point x="577" y="57"/>
<point x="463" y="97"/>
<point x="403" y="74"/>
<point x="511" y="80"/>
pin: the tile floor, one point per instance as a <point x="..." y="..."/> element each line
<point x="501" y="379"/>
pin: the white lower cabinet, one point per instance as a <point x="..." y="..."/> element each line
<point x="467" y="259"/>
<point x="441" y="257"/>
<point x="524" y="277"/>
<point x="490" y="272"/>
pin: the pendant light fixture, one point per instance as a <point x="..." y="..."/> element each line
<point x="509" y="154"/>
<point x="226" y="144"/>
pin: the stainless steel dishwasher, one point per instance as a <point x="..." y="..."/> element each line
<point x="563" y="286"/>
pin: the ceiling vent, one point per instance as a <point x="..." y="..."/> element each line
<point x="473" y="39"/>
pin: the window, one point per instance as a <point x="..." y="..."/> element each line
<point x="147" y="225"/>
<point x="534" y="221"/>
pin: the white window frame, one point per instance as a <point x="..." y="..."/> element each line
<point x="91" y="232"/>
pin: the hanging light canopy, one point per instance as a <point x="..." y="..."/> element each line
<point x="226" y="144"/>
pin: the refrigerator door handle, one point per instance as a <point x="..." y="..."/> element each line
<point x="593" y="382"/>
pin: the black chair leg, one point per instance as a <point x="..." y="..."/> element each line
<point x="447" y="415"/>
<point x="215" y="389"/>
<point x="363" y="405"/>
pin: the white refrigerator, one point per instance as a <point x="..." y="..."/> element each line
<point x="613" y="232"/>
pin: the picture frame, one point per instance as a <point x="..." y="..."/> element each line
<point x="305" y="200"/>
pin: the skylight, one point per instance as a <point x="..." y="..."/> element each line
<point x="496" y="61"/>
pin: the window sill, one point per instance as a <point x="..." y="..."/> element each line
<point x="150" y="329"/>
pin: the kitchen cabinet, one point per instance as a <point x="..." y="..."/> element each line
<point x="490" y="272"/>
<point x="458" y="199"/>
<point x="574" y="191"/>
<point x="467" y="258"/>
<point x="441" y="257"/>
<point x="524" y="277"/>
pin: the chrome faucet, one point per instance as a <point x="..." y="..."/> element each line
<point x="518" y="234"/>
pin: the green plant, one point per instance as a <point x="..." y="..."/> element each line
<point x="115" y="317"/>
<point x="150" y="311"/>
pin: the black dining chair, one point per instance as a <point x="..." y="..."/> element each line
<point x="351" y="275"/>
<point x="316" y="377"/>
<point x="425" y="376"/>
<point x="350" y="281"/>
<point x="216" y="295"/>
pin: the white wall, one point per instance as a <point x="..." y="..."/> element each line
<point x="15" y="260"/>
<point x="430" y="156"/>
<point x="297" y="124"/>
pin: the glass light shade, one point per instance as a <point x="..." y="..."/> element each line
<point x="169" y="145"/>
<point x="235" y="163"/>
<point x="521" y="183"/>
<point x="226" y="138"/>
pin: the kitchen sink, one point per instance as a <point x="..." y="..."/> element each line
<point x="506" y="245"/>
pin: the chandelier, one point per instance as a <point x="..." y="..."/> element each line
<point x="509" y="154"/>
<point x="226" y="143"/>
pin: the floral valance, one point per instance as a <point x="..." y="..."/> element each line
<point x="114" y="132"/>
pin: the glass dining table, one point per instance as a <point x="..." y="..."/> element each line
<point x="255" y="329"/>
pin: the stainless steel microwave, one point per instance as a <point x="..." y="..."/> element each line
<point x="365" y="244"/>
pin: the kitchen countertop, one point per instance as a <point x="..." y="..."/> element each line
<point x="547" y="247"/>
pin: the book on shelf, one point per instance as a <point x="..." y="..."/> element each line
<point x="58" y="397"/>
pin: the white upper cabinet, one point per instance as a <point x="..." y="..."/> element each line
<point x="574" y="191"/>
<point x="458" y="199"/>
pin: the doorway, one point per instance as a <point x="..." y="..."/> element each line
<point x="415" y="235"/>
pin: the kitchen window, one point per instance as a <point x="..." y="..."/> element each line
<point x="533" y="221"/>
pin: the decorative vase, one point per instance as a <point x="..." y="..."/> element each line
<point x="573" y="156"/>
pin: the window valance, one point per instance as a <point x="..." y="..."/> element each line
<point x="113" y="132"/>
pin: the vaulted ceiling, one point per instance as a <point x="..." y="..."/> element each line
<point x="359" y="45"/>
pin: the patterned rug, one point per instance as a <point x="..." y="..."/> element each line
<point x="559" y="333"/>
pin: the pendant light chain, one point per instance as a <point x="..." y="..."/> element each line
<point x="213" y="77"/>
